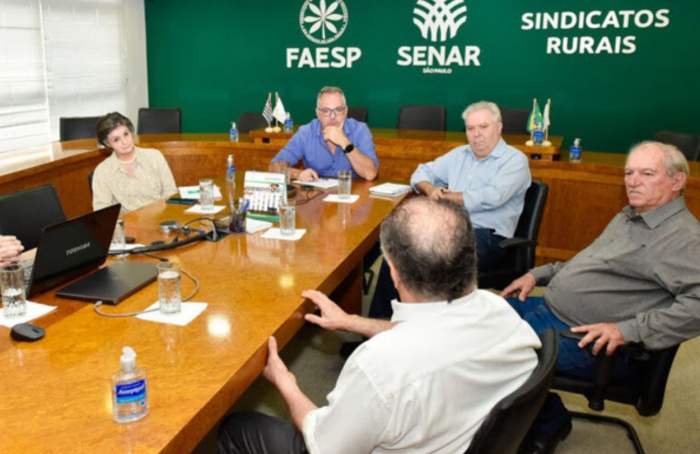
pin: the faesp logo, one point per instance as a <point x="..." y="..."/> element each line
<point x="439" y="21"/>
<point x="323" y="23"/>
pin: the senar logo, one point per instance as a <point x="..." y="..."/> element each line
<point x="323" y="23"/>
<point x="440" y="20"/>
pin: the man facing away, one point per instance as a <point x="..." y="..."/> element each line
<point x="637" y="282"/>
<point x="425" y="380"/>
<point x="330" y="143"/>
<point x="486" y="177"/>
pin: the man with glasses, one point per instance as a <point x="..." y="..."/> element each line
<point x="330" y="143"/>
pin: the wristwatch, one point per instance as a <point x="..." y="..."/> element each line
<point x="349" y="148"/>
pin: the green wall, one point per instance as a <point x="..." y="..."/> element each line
<point x="218" y="58"/>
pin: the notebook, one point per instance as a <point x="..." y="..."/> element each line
<point x="77" y="246"/>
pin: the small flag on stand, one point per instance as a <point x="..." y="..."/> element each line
<point x="546" y="121"/>
<point x="279" y="113"/>
<point x="267" y="111"/>
<point x="535" y="117"/>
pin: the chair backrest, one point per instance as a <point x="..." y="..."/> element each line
<point x="159" y="121"/>
<point x="506" y="425"/>
<point x="26" y="212"/>
<point x="358" y="113"/>
<point x="430" y="118"/>
<point x="529" y="223"/>
<point x="514" y="120"/>
<point x="75" y="128"/>
<point x="689" y="144"/>
<point x="248" y="121"/>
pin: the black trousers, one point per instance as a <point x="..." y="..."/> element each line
<point x="250" y="432"/>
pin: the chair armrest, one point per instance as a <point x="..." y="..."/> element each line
<point x="633" y="350"/>
<point x="516" y="242"/>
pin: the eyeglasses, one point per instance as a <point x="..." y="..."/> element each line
<point x="326" y="112"/>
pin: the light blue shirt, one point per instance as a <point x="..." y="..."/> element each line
<point x="493" y="189"/>
<point x="308" y="144"/>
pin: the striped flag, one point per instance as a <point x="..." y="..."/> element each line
<point x="267" y="111"/>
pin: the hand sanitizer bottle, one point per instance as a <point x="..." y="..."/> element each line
<point x="538" y="135"/>
<point x="575" y="151"/>
<point x="289" y="124"/>
<point x="233" y="133"/>
<point x="129" y="396"/>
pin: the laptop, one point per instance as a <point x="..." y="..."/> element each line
<point x="77" y="246"/>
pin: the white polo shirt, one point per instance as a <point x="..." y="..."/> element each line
<point x="427" y="384"/>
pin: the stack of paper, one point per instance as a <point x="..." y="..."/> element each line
<point x="321" y="183"/>
<point x="390" y="189"/>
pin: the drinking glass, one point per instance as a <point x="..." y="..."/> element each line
<point x="169" y="287"/>
<point x="14" y="303"/>
<point x="206" y="194"/>
<point x="344" y="183"/>
<point x="287" y="218"/>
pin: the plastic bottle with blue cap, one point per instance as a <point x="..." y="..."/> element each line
<point x="129" y="393"/>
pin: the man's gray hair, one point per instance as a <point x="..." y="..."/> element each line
<point x="481" y="105"/>
<point x="674" y="159"/>
<point x="432" y="247"/>
<point x="330" y="91"/>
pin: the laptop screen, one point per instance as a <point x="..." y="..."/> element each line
<point x="72" y="248"/>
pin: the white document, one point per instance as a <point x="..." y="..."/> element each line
<point x="352" y="198"/>
<point x="189" y="312"/>
<point x="197" y="209"/>
<point x="390" y="189"/>
<point x="192" y="192"/>
<point x="322" y="183"/>
<point x="34" y="310"/>
<point x="275" y="234"/>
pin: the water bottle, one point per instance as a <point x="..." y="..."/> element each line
<point x="129" y="393"/>
<point x="575" y="151"/>
<point x="289" y="124"/>
<point x="538" y="135"/>
<point x="230" y="179"/>
<point x="233" y="133"/>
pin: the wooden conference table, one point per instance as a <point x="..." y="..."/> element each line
<point x="583" y="197"/>
<point x="55" y="393"/>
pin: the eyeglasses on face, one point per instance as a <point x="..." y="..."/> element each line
<point x="326" y="112"/>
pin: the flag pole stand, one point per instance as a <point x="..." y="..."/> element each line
<point x="269" y="129"/>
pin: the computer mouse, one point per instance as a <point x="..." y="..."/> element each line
<point x="26" y="332"/>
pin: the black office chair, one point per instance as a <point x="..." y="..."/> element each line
<point x="26" y="212"/>
<point x="76" y="128"/>
<point x="520" y="255"/>
<point x="159" y="121"/>
<point x="358" y="113"/>
<point x="430" y="118"/>
<point x="508" y="422"/>
<point x="645" y="390"/>
<point x="689" y="144"/>
<point x="514" y="120"/>
<point x="248" y="121"/>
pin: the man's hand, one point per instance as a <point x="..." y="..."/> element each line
<point x="332" y="316"/>
<point x="336" y="135"/>
<point x="10" y="249"/>
<point x="275" y="371"/>
<point x="602" y="334"/>
<point x="438" y="193"/>
<point x="308" y="175"/>
<point x="523" y="285"/>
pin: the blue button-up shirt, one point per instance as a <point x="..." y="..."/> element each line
<point x="493" y="189"/>
<point x="308" y="144"/>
